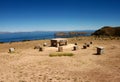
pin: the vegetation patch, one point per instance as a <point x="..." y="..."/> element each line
<point x="60" y="54"/>
<point x="108" y="31"/>
<point x="1" y="42"/>
<point x="25" y="40"/>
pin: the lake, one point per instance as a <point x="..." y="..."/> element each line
<point x="21" y="36"/>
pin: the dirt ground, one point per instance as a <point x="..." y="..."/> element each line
<point x="27" y="64"/>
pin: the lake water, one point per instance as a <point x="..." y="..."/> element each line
<point x="20" y="36"/>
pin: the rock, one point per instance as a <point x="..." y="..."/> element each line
<point x="11" y="50"/>
<point x="37" y="47"/>
<point x="44" y="44"/>
<point x="84" y="46"/>
<point x="75" y="47"/>
<point x="100" y="50"/>
<point x="60" y="49"/>
<point x="41" y="49"/>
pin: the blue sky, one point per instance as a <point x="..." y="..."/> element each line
<point x="58" y="15"/>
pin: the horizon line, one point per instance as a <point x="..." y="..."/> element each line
<point x="44" y="31"/>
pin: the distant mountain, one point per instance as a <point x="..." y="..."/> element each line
<point x="108" y="31"/>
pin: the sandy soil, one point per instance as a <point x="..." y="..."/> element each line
<point x="29" y="65"/>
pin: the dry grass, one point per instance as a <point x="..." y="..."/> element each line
<point x="60" y="54"/>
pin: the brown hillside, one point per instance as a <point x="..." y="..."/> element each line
<point x="108" y="31"/>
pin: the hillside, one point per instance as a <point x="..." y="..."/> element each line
<point x="108" y="31"/>
<point x="27" y="64"/>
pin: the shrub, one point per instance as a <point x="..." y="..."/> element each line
<point x="1" y="42"/>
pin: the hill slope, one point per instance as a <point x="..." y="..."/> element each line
<point x="108" y="31"/>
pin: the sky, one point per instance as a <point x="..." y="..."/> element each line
<point x="58" y="15"/>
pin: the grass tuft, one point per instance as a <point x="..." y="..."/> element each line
<point x="60" y="54"/>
